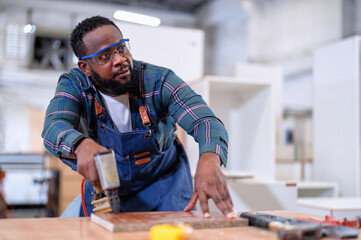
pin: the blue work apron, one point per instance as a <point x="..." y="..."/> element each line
<point x="150" y="180"/>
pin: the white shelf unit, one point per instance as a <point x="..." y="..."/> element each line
<point x="336" y="115"/>
<point x="247" y="109"/>
<point x="259" y="195"/>
<point x="347" y="207"/>
<point x="309" y="189"/>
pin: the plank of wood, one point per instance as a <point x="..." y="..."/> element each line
<point x="143" y="221"/>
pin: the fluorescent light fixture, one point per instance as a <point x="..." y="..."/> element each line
<point x="29" y="28"/>
<point x="137" y="18"/>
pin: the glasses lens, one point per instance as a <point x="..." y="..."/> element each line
<point x="122" y="48"/>
<point x="104" y="56"/>
<point x="108" y="54"/>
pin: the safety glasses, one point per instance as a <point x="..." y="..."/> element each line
<point x="107" y="54"/>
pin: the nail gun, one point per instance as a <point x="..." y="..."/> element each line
<point x="109" y="180"/>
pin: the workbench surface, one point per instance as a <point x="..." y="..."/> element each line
<point x="84" y="228"/>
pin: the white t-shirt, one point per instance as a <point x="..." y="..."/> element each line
<point x="119" y="110"/>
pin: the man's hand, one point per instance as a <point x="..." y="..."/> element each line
<point x="85" y="160"/>
<point x="211" y="183"/>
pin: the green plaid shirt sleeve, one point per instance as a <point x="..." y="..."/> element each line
<point x="189" y="110"/>
<point x="63" y="116"/>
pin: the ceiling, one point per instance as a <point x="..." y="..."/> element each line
<point x="186" y="6"/>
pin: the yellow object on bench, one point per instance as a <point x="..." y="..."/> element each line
<point x="170" y="232"/>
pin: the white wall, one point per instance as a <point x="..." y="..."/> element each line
<point x="278" y="32"/>
<point x="179" y="49"/>
<point x="225" y="25"/>
<point x="282" y="30"/>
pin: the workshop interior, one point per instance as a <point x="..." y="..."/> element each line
<point x="284" y="76"/>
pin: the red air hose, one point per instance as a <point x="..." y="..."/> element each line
<point x="82" y="197"/>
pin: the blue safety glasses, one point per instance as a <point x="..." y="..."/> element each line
<point x="107" y="54"/>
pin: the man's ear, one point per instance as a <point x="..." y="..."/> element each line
<point x="84" y="67"/>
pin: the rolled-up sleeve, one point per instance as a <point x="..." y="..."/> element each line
<point x="62" y="117"/>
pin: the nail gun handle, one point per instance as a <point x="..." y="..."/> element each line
<point x="107" y="169"/>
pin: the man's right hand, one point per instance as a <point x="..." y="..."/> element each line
<point x="85" y="160"/>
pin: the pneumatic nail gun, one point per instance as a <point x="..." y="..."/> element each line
<point x="109" y="180"/>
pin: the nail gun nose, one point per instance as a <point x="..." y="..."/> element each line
<point x="114" y="200"/>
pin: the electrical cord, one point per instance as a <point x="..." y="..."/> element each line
<point x="82" y="197"/>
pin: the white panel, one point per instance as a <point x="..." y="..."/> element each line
<point x="337" y="115"/>
<point x="291" y="171"/>
<point x="347" y="207"/>
<point x="179" y="49"/>
<point x="17" y="130"/>
<point x="252" y="134"/>
<point x="24" y="187"/>
<point x="247" y="110"/>
<point x="254" y="195"/>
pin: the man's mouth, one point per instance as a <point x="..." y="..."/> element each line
<point x="122" y="73"/>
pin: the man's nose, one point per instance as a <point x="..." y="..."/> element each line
<point x="118" y="58"/>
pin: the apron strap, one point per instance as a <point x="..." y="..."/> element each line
<point x="144" y="115"/>
<point x="145" y="118"/>
<point x="98" y="107"/>
<point x="98" y="111"/>
<point x="143" y="112"/>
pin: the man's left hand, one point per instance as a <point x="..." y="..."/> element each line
<point x="211" y="183"/>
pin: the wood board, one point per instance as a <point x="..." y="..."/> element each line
<point x="143" y="221"/>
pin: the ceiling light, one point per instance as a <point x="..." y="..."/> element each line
<point x="29" y="28"/>
<point x="137" y="18"/>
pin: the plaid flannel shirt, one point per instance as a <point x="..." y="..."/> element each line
<point x="168" y="100"/>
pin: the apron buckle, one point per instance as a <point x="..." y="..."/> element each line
<point x="99" y="112"/>
<point x="149" y="134"/>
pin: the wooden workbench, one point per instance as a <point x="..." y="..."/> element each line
<point x="84" y="228"/>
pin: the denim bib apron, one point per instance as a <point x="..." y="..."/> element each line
<point x="150" y="180"/>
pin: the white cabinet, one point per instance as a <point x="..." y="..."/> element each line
<point x="259" y="195"/>
<point x="336" y="115"/>
<point x="312" y="189"/>
<point x="247" y="109"/>
<point x="347" y="207"/>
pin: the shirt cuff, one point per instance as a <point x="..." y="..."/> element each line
<point x="76" y="143"/>
<point x="215" y="148"/>
<point x="66" y="146"/>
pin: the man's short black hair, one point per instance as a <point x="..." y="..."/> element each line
<point x="84" y="27"/>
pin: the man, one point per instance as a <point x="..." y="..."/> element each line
<point x="104" y="97"/>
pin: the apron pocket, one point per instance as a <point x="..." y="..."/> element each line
<point x="154" y="165"/>
<point x="123" y="166"/>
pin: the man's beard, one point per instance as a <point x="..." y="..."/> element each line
<point x="113" y="86"/>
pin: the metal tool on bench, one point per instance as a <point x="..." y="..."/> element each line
<point x="109" y="180"/>
<point x="284" y="230"/>
<point x="326" y="230"/>
<point x="331" y="220"/>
